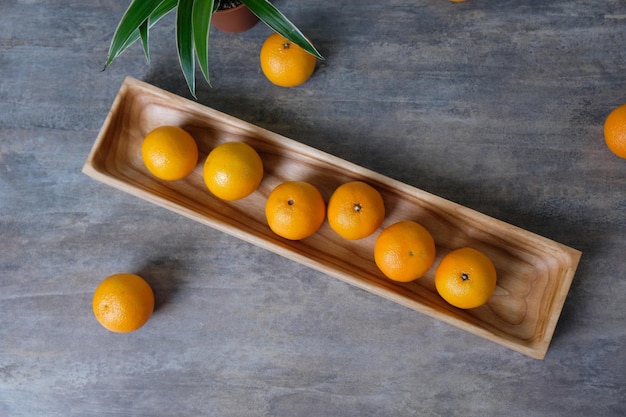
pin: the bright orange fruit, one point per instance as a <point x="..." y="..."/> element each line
<point x="615" y="131"/>
<point x="355" y="210"/>
<point x="284" y="63"/>
<point x="404" y="251"/>
<point x="233" y="170"/>
<point x="123" y="302"/>
<point x="169" y="153"/>
<point x="295" y="210"/>
<point x="466" y="278"/>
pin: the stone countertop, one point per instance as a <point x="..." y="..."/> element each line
<point x="496" y="105"/>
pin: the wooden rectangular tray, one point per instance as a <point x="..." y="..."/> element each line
<point x="534" y="273"/>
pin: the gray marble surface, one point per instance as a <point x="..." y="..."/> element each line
<point x="496" y="105"/>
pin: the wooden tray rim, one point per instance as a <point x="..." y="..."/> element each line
<point x="538" y="350"/>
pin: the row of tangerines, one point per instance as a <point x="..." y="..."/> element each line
<point x="124" y="302"/>
<point x="295" y="210"/>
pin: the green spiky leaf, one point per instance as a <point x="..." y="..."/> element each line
<point x="128" y="30"/>
<point x="164" y="8"/>
<point x="277" y="21"/>
<point x="184" y="42"/>
<point x="137" y="13"/>
<point x="144" y="30"/>
<point x="202" y="11"/>
<point x="216" y="5"/>
<point x="193" y="20"/>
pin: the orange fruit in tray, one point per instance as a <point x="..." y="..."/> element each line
<point x="615" y="131"/>
<point x="404" y="251"/>
<point x="355" y="210"/>
<point x="285" y="63"/>
<point x="169" y="153"/>
<point x="233" y="170"/>
<point x="123" y="303"/>
<point x="295" y="210"/>
<point x="466" y="278"/>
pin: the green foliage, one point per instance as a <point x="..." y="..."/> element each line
<point x="193" y="20"/>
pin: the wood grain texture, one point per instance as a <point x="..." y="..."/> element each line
<point x="534" y="273"/>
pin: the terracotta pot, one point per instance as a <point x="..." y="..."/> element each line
<point x="235" y="20"/>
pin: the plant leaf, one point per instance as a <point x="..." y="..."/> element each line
<point x="277" y="21"/>
<point x="144" y="34"/>
<point x="184" y="42"/>
<point x="128" y="29"/>
<point x="164" y="8"/>
<point x="202" y="11"/>
<point x="216" y="5"/>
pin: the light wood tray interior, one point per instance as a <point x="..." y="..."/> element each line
<point x="534" y="273"/>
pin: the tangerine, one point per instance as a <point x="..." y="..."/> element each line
<point x="355" y="210"/>
<point x="404" y="251"/>
<point x="284" y="63"/>
<point x="615" y="131"/>
<point x="233" y="170"/>
<point x="295" y="210"/>
<point x="169" y="153"/>
<point x="123" y="303"/>
<point x="466" y="278"/>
